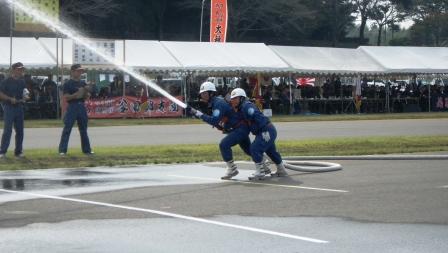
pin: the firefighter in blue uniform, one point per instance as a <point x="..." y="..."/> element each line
<point x="13" y="95"/>
<point x="226" y="119"/>
<point x="75" y="92"/>
<point x="264" y="131"/>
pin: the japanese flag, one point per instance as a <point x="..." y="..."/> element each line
<point x="305" y="81"/>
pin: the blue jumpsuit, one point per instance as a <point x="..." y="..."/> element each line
<point x="76" y="111"/>
<point x="231" y="122"/>
<point x="13" y="114"/>
<point x="264" y="131"/>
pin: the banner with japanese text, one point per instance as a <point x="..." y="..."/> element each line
<point x="26" y="23"/>
<point x="132" y="107"/>
<point x="218" y="21"/>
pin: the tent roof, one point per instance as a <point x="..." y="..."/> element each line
<point x="29" y="51"/>
<point x="322" y="60"/>
<point x="226" y="57"/>
<point x="235" y="58"/>
<point x="150" y="55"/>
<point x="419" y="60"/>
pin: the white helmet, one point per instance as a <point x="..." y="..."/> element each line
<point x="238" y="92"/>
<point x="207" y="86"/>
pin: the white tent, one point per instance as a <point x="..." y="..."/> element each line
<point x="149" y="55"/>
<point x="415" y="60"/>
<point x="29" y="51"/>
<point x="236" y="58"/>
<point x="323" y="60"/>
<point x="226" y="57"/>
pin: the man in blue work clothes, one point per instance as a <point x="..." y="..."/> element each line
<point x="13" y="95"/>
<point x="230" y="122"/>
<point x="264" y="131"/>
<point x="75" y="92"/>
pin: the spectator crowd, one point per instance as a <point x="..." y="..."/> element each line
<point x="327" y="95"/>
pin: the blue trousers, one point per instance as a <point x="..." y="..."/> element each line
<point x="238" y="136"/>
<point x="75" y="112"/>
<point x="260" y="145"/>
<point x="12" y="116"/>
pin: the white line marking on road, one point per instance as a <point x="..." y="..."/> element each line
<point x="250" y="182"/>
<point x="179" y="216"/>
<point x="445" y="186"/>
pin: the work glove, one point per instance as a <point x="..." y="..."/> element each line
<point x="190" y="111"/>
<point x="197" y="113"/>
<point x="13" y="100"/>
<point x="266" y="136"/>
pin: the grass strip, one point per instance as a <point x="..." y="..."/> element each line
<point x="277" y="118"/>
<point x="139" y="155"/>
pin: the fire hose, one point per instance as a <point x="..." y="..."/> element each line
<point x="300" y="163"/>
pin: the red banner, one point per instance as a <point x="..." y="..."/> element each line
<point x="218" y="21"/>
<point x="132" y="107"/>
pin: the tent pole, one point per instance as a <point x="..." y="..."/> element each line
<point x="388" y="95"/>
<point x="184" y="82"/>
<point x="124" y="64"/>
<point x="340" y="95"/>
<point x="290" y="94"/>
<point x="429" y="97"/>
<point x="57" y="76"/>
<point x="62" y="75"/>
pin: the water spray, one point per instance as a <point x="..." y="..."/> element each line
<point x="78" y="38"/>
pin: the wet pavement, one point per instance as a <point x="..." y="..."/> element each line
<point x="170" y="235"/>
<point x="369" y="206"/>
<point x="63" y="182"/>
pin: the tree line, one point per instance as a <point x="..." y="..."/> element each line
<point x="281" y="22"/>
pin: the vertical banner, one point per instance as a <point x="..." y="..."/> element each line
<point x="26" y="23"/>
<point x="218" y="21"/>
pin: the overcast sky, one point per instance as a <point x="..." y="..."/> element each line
<point x="405" y="24"/>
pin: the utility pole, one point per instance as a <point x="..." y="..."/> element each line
<point x="11" y="21"/>
<point x="202" y="17"/>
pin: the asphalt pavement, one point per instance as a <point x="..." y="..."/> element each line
<point x="369" y="206"/>
<point x="204" y="134"/>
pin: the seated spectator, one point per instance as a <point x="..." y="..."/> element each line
<point x="267" y="97"/>
<point x="337" y="87"/>
<point x="116" y="87"/>
<point x="326" y="89"/>
<point x="32" y="87"/>
<point x="93" y="90"/>
<point x="104" y="92"/>
<point x="49" y="88"/>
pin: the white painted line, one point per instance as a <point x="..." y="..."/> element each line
<point x="253" y="182"/>
<point x="179" y="216"/>
<point x="445" y="186"/>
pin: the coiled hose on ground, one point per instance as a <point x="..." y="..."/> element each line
<point x="301" y="163"/>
